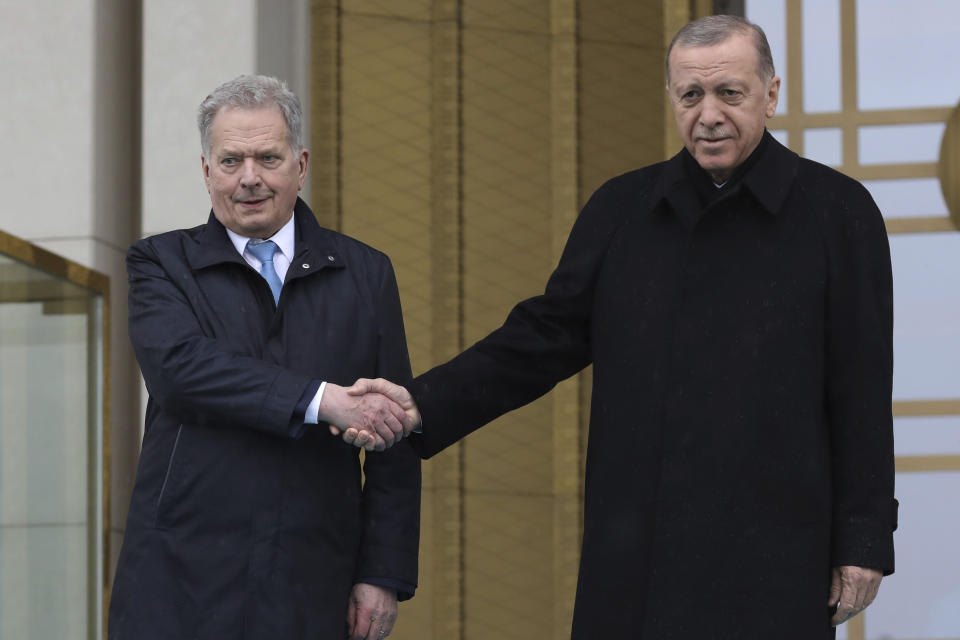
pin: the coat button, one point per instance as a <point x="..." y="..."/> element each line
<point x="331" y="258"/>
<point x="305" y="265"/>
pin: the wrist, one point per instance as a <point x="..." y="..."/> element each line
<point x="327" y="409"/>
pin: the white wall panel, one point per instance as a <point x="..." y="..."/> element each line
<point x="189" y="48"/>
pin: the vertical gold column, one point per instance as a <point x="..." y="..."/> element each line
<point x="567" y="478"/>
<point x="848" y="83"/>
<point x="325" y="112"/>
<point x="795" y="73"/>
<point x="443" y="475"/>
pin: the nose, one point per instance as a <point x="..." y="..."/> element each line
<point x="249" y="176"/>
<point x="711" y="112"/>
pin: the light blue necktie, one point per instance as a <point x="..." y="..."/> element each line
<point x="264" y="250"/>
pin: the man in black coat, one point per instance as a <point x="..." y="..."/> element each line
<point x="248" y="520"/>
<point x="736" y="304"/>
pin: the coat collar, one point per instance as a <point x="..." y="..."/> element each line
<point x="315" y="247"/>
<point x="768" y="178"/>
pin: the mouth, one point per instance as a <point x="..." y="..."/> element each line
<point x="252" y="203"/>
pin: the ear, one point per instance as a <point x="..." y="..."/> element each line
<point x="206" y="171"/>
<point x="303" y="161"/>
<point x="773" y="95"/>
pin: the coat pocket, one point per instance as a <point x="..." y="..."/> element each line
<point x="167" y="487"/>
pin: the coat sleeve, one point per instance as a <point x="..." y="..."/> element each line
<point x="859" y="380"/>
<point x="192" y="376"/>
<point x="391" y="489"/>
<point x="545" y="339"/>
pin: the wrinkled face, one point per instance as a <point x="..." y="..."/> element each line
<point x="252" y="175"/>
<point x="720" y="102"/>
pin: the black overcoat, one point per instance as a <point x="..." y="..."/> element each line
<point x="740" y="436"/>
<point x="237" y="530"/>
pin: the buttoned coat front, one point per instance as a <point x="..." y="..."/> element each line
<point x="237" y="529"/>
<point x="740" y="439"/>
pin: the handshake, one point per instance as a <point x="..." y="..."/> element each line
<point x="373" y="414"/>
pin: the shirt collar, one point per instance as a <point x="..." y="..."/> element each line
<point x="284" y="239"/>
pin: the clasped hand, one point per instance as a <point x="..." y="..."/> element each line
<point x="373" y="414"/>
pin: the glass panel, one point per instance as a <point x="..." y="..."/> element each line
<point x="50" y="356"/>
<point x="908" y="197"/>
<point x="894" y="144"/>
<point x="821" y="56"/>
<point x="824" y="145"/>
<point x="906" y="53"/>
<point x="771" y="15"/>
<point x="922" y="599"/>
<point x="926" y="435"/>
<point x="926" y="335"/>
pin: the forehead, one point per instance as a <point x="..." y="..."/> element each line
<point x="732" y="59"/>
<point x="239" y="127"/>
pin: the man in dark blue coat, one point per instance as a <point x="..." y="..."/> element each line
<point x="248" y="519"/>
<point x="735" y="302"/>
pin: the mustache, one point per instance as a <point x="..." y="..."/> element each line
<point x="711" y="134"/>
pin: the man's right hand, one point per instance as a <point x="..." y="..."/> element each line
<point x="382" y="421"/>
<point x="362" y="436"/>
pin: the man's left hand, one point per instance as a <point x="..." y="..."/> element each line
<point x="852" y="589"/>
<point x="371" y="613"/>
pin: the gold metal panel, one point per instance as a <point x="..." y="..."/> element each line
<point x="564" y="166"/>
<point x="616" y="21"/>
<point x="889" y="171"/>
<point x="385" y="154"/>
<point x="794" y="71"/>
<point x="621" y="110"/>
<point x="508" y="567"/>
<point x="408" y="9"/>
<point x="508" y="252"/>
<point x="920" y="224"/>
<point x="506" y="183"/>
<point x="949" y="166"/>
<point x="940" y="407"/>
<point x="928" y="463"/>
<point x="856" y="628"/>
<point x="848" y="84"/>
<point x="519" y="16"/>
<point x="443" y="551"/>
<point x="506" y="209"/>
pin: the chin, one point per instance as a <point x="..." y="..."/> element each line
<point x="713" y="164"/>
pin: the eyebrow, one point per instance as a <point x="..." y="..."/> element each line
<point x="230" y="152"/>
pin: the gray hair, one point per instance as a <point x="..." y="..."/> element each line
<point x="252" y="92"/>
<point x="716" y="29"/>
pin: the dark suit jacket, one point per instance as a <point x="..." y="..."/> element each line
<point x="740" y="433"/>
<point x="236" y="530"/>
